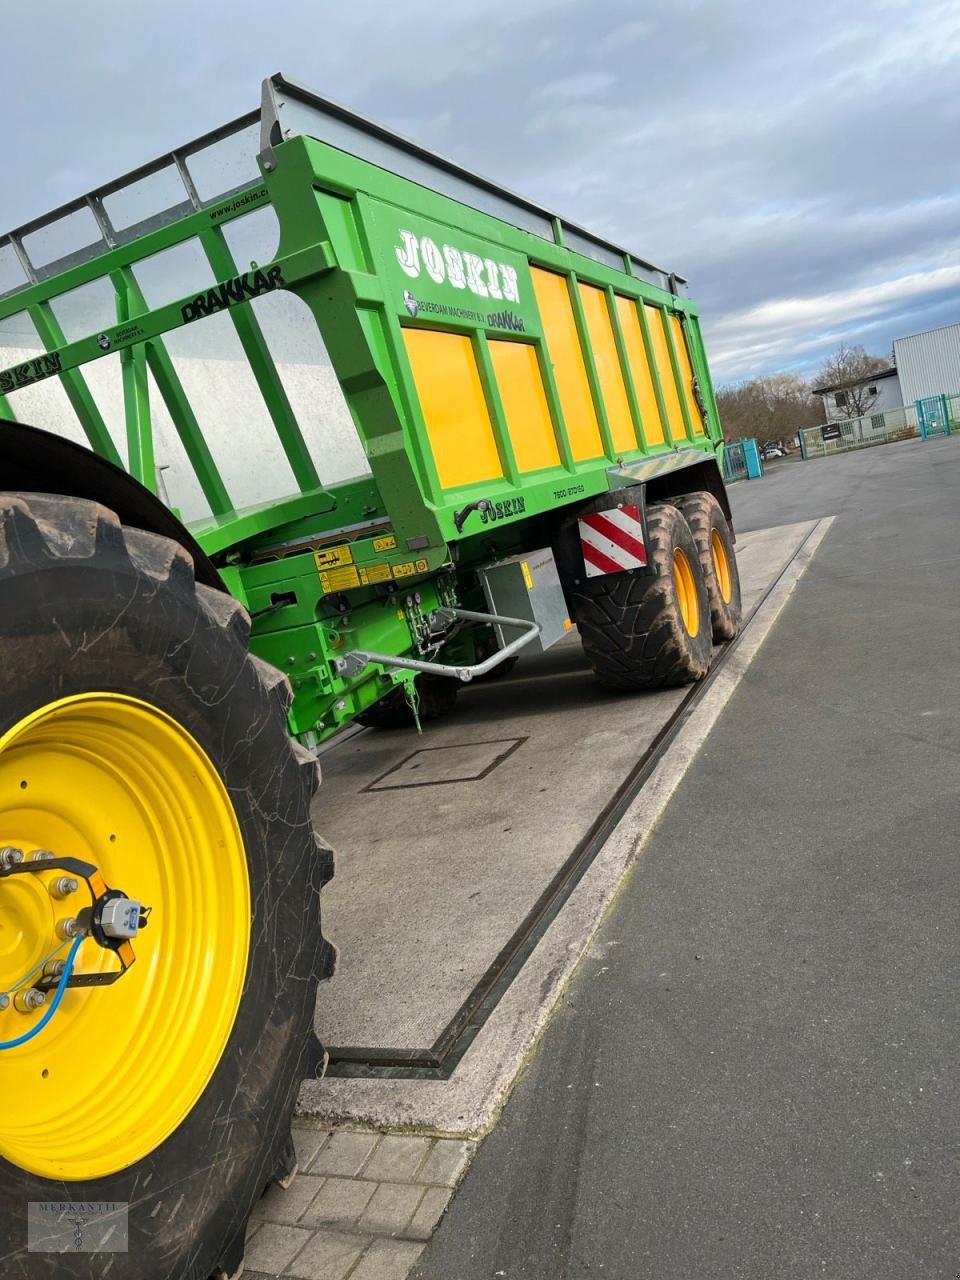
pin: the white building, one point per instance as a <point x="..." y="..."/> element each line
<point x="882" y="392"/>
<point x="929" y="363"/>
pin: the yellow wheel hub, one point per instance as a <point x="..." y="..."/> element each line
<point x="686" y="585"/>
<point x="721" y="565"/>
<point x="115" y="782"/>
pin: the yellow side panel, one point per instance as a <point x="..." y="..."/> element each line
<point x="640" y="371"/>
<point x="569" y="371"/>
<point x="524" y="404"/>
<point x="607" y="360"/>
<point x="668" y="384"/>
<point x="453" y="406"/>
<point x="686" y="371"/>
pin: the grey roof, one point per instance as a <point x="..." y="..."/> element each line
<point x="871" y="377"/>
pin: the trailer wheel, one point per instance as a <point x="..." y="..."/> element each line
<point x="138" y="734"/>
<point x="438" y="697"/>
<point x="644" y="632"/>
<point x="718" y="561"/>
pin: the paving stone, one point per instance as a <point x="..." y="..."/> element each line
<point x="431" y="1207"/>
<point x="397" y="1159"/>
<point x="446" y="1162"/>
<point x="273" y="1247"/>
<point x="387" y="1260"/>
<point x="392" y="1206"/>
<point x="307" y="1143"/>
<point x="280" y="1205"/>
<point x="345" y="1154"/>
<point x="328" y="1256"/>
<point x="339" y="1203"/>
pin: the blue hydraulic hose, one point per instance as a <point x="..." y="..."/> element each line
<point x="54" y="1003"/>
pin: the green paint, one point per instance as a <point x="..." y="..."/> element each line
<point x="77" y="391"/>
<point x="625" y="372"/>
<point x="593" y="378"/>
<point x="368" y="252"/>
<point x="689" y="426"/>
<point x="655" y="376"/>
<point x="264" y="370"/>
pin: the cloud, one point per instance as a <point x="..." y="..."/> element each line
<point x="788" y="330"/>
<point x="586" y="84"/>
<point x="797" y="162"/>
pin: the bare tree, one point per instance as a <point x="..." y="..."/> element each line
<point x="849" y="374"/>
<point x="768" y="409"/>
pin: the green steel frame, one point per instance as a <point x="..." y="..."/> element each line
<point x="339" y="203"/>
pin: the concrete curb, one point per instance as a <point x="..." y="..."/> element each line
<point x="468" y="1103"/>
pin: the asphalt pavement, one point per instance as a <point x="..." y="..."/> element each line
<point x="755" y="1071"/>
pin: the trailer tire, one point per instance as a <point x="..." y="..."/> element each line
<point x="438" y="697"/>
<point x="649" y="632"/>
<point x="718" y="561"/>
<point x="132" y="713"/>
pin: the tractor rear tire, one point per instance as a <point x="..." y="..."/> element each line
<point x="649" y="632"/>
<point x="170" y="1092"/>
<point x="438" y="697"/>
<point x="718" y="562"/>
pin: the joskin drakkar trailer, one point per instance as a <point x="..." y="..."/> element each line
<point x="322" y="426"/>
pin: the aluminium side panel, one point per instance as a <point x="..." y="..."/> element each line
<point x="928" y="363"/>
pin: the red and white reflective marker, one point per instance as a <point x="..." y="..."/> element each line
<point x="612" y="541"/>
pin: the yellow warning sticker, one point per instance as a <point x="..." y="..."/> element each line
<point x="333" y="557"/>
<point x="567" y="624"/>
<point x="525" y="569"/>
<point x="388" y="543"/>
<point x="374" y="573"/>
<point x="409" y="567"/>
<point x="339" y="579"/>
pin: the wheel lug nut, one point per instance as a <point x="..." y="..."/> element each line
<point x="42" y="855"/>
<point x="27" y="1001"/>
<point x="4" y="1001"/>
<point x="10" y="856"/>
<point x="64" y="886"/>
<point x="54" y="968"/>
<point x="69" y="928"/>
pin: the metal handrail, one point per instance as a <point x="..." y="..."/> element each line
<point x="355" y="661"/>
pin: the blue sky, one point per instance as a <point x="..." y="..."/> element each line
<point x="798" y="163"/>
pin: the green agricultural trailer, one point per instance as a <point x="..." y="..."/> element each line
<point x="300" y="425"/>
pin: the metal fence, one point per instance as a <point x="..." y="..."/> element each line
<point x="734" y="463"/>
<point x="938" y="415"/>
<point x="742" y="460"/>
<point x="861" y="433"/>
<point x="932" y="416"/>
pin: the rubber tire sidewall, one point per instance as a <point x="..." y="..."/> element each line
<point x="704" y="515"/>
<point x="71" y="626"/>
<point x="630" y="623"/>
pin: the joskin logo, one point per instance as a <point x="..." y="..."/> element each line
<point x="22" y="375"/>
<point x="483" y="277"/>
<point x="240" y="289"/>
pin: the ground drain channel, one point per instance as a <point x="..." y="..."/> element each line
<point x="439" y="1061"/>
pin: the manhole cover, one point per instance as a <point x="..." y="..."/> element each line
<point x="433" y="766"/>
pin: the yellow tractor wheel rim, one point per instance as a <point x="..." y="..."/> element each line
<point x="686" y="586"/>
<point x="721" y="565"/>
<point x="113" y="781"/>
